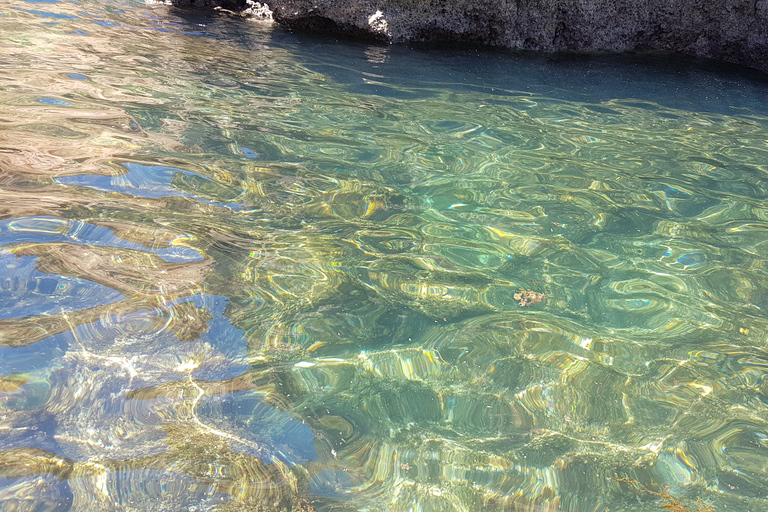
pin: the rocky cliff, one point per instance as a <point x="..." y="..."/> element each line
<point x="730" y="30"/>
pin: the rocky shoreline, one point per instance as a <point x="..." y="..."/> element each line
<point x="730" y="30"/>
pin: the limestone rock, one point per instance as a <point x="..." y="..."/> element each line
<point x="730" y="30"/>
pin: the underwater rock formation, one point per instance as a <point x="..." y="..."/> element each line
<point x="731" y="30"/>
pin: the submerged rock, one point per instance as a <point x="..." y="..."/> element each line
<point x="731" y="30"/>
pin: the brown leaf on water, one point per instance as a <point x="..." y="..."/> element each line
<point x="528" y="297"/>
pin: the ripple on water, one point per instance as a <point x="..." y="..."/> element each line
<point x="233" y="277"/>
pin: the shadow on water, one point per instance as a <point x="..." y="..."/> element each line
<point x="676" y="82"/>
<point x="411" y="71"/>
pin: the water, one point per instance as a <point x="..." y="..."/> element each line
<point x="243" y="269"/>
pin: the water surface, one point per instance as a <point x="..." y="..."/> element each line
<point x="243" y="269"/>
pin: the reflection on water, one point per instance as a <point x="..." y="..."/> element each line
<point x="246" y="271"/>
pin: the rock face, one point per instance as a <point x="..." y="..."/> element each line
<point x="730" y="30"/>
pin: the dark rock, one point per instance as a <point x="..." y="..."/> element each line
<point x="730" y="30"/>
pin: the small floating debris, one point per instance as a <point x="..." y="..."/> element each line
<point x="528" y="297"/>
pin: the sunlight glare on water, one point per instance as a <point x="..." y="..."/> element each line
<point x="243" y="269"/>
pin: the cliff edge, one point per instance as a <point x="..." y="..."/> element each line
<point x="730" y="30"/>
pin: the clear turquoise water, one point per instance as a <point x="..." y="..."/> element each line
<point x="243" y="269"/>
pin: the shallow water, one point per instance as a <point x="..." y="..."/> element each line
<point x="244" y="269"/>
